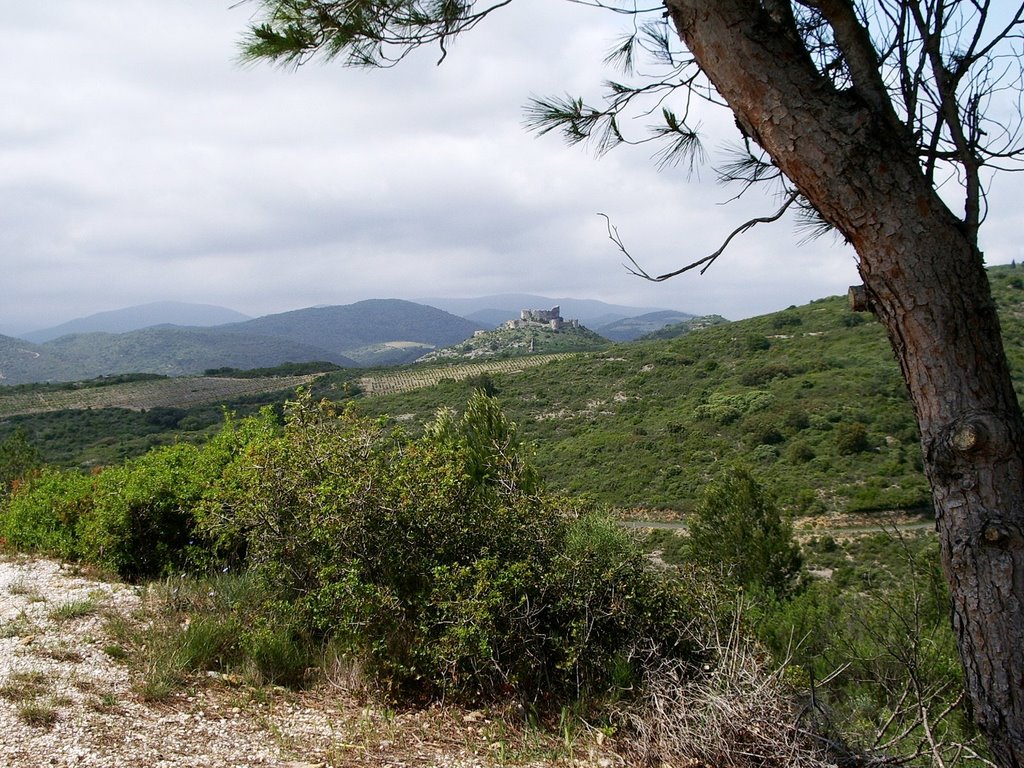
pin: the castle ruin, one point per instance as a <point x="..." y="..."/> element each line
<point x="552" y="318"/>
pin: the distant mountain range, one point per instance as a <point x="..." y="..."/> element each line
<point x="142" y="316"/>
<point x="367" y="333"/>
<point x="631" y="328"/>
<point x="178" y="338"/>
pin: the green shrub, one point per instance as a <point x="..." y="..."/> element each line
<point x="439" y="561"/>
<point x="799" y="453"/>
<point x="786" y="319"/>
<point x="136" y="519"/>
<point x="737" y="528"/>
<point x="852" y="438"/>
<point x="764" y="453"/>
<point x="609" y="601"/>
<point x="44" y="513"/>
<point x="723" y="408"/>
<point x="140" y="524"/>
<point x="885" y="643"/>
<point x="757" y="343"/>
<point x="18" y="458"/>
<point x="760" y="429"/>
<point x="797" y="420"/>
<point x="757" y="377"/>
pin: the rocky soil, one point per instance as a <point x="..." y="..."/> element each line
<point x="68" y="698"/>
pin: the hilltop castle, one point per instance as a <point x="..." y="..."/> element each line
<point x="552" y="318"/>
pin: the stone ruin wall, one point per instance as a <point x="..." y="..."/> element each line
<point x="549" y="317"/>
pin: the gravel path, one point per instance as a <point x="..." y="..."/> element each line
<point x="65" y="701"/>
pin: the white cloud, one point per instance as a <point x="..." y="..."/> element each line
<point x="139" y="162"/>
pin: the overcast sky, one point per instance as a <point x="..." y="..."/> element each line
<point x="140" y="162"/>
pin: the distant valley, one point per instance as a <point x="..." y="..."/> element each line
<point x="180" y="339"/>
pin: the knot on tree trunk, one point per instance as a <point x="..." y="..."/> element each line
<point x="969" y="436"/>
<point x="958" y="444"/>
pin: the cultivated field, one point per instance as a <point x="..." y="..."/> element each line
<point x="191" y="391"/>
<point x="181" y="392"/>
<point x="407" y="380"/>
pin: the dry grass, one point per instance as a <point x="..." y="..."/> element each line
<point x="734" y="712"/>
<point x="39" y="714"/>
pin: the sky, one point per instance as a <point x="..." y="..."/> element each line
<point x="141" y="162"/>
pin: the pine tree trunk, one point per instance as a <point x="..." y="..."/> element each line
<point x="926" y="282"/>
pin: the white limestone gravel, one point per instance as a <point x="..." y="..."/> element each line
<point x="60" y="664"/>
<point x="100" y="721"/>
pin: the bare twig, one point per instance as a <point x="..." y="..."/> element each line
<point x="707" y="261"/>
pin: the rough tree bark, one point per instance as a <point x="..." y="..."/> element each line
<point x="925" y="281"/>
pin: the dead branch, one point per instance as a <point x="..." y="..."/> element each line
<point x="707" y="261"/>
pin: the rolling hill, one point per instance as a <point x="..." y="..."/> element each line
<point x="811" y="398"/>
<point x="631" y="328"/>
<point x="165" y="351"/>
<point x="358" y="329"/>
<point x="183" y="351"/>
<point x="675" y="330"/>
<point x="380" y="332"/>
<point x="139" y="317"/>
<point x="517" y="342"/>
<point x="22" y="362"/>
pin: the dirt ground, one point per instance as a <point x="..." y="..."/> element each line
<point x="67" y="700"/>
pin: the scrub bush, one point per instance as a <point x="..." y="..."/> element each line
<point x="738" y="529"/>
<point x="137" y="519"/>
<point x="18" y="459"/>
<point x="43" y="513"/>
<point x="438" y="563"/>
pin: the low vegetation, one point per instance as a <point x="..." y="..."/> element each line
<point x="447" y="553"/>
<point x="438" y="565"/>
<point x="146" y="393"/>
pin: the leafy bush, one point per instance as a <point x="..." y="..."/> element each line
<point x="723" y="408"/>
<point x="18" y="457"/>
<point x="140" y="524"/>
<point x="797" y="420"/>
<point x="136" y="519"/>
<point x="852" y="438"/>
<point x="786" y="319"/>
<point x="43" y="514"/>
<point x="758" y="343"/>
<point x="760" y="429"/>
<point x="757" y="377"/>
<point x="738" y="528"/>
<point x="439" y="562"/>
<point x="799" y="453"/>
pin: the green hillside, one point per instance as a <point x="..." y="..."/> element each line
<point x="646" y="424"/>
<point x="360" y="327"/>
<point x="517" y="342"/>
<point x="810" y="397"/>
